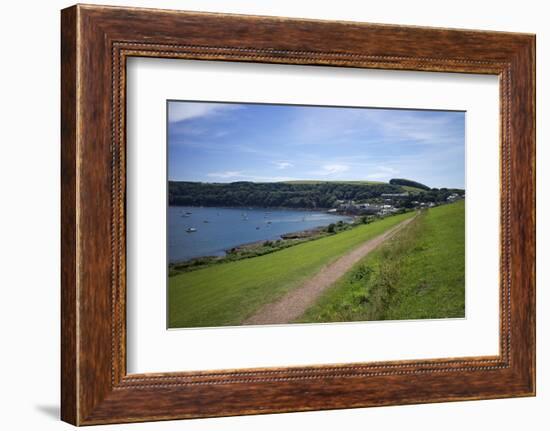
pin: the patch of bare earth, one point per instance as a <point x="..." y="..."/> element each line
<point x="295" y="303"/>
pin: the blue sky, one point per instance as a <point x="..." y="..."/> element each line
<point x="226" y="142"/>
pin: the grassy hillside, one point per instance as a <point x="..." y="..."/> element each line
<point x="403" y="188"/>
<point x="419" y="274"/>
<point x="412" y="189"/>
<point x="228" y="293"/>
<point x="409" y="183"/>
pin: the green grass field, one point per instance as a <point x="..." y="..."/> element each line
<point x="412" y="189"/>
<point x="419" y="274"/>
<point x="358" y="182"/>
<point x="228" y="293"/>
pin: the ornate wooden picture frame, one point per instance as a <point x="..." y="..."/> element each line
<point x="96" y="41"/>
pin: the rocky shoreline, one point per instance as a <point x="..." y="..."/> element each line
<point x="301" y="234"/>
<point x="253" y="249"/>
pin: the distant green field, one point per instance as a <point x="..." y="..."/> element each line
<point x="228" y="293"/>
<point x="359" y="182"/>
<point x="419" y="274"/>
<point x="412" y="189"/>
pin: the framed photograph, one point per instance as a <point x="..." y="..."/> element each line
<point x="264" y="214"/>
<point x="292" y="234"/>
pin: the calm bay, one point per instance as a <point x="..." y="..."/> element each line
<point x="209" y="231"/>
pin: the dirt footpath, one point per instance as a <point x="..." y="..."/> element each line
<point x="296" y="302"/>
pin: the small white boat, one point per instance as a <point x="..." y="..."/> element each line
<point x="191" y="229"/>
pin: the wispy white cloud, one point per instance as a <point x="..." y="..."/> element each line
<point x="388" y="169"/>
<point x="190" y="110"/>
<point x="382" y="173"/>
<point x="283" y="165"/>
<point x="375" y="127"/>
<point x="225" y="174"/>
<point x="332" y="169"/>
<point x="335" y="169"/>
<point x="243" y="176"/>
<point x="268" y="179"/>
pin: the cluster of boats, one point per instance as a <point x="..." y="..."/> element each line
<point x="190" y="229"/>
<point x="244" y="217"/>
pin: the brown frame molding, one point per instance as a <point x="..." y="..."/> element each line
<point x="95" y="43"/>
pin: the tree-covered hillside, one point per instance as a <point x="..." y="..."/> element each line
<point x="290" y="195"/>
<point x="409" y="183"/>
<point x="313" y="195"/>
